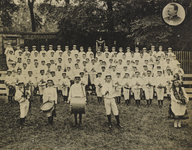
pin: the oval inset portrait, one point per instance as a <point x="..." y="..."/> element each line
<point x="173" y="14"/>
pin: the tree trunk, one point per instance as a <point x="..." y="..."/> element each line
<point x="110" y="23"/>
<point x="110" y="16"/>
<point x="31" y="4"/>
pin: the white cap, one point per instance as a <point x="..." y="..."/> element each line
<point x="108" y="75"/>
<point x="50" y="80"/>
<point x="77" y="76"/>
<point x="20" y="82"/>
<point x="52" y="70"/>
<point x="11" y="50"/>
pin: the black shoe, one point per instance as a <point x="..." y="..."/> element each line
<point x="74" y="125"/>
<point x="24" y="124"/>
<point x="50" y="122"/>
<point x="21" y="123"/>
<point x="80" y="125"/>
<point x="21" y="127"/>
<point x="47" y="124"/>
<point x="119" y="125"/>
<point x="109" y="126"/>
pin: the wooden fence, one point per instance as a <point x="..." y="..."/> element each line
<point x="185" y="58"/>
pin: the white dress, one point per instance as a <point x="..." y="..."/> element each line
<point x="178" y="110"/>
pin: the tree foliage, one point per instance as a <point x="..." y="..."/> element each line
<point x="139" y="21"/>
<point x="7" y="8"/>
<point x="21" y="19"/>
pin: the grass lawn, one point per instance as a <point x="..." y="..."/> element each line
<point x="143" y="129"/>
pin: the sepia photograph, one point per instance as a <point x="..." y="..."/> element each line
<point x="95" y="74"/>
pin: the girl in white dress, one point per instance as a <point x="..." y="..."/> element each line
<point x="179" y="100"/>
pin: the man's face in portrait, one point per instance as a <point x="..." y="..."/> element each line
<point x="171" y="11"/>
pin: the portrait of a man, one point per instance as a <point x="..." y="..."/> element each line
<point x="171" y="15"/>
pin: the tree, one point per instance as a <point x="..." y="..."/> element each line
<point x="81" y="20"/>
<point x="31" y="5"/>
<point x="110" y="15"/>
<point x="7" y="8"/>
<point x="52" y="13"/>
<point x="21" y="19"/>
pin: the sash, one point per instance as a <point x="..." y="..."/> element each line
<point x="179" y="95"/>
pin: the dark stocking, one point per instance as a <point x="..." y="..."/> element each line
<point x="75" y="116"/>
<point x="80" y="118"/>
<point x="117" y="119"/>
